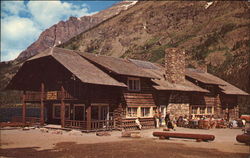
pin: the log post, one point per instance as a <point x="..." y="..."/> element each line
<point x="89" y="117"/>
<point x="24" y="108"/>
<point x="42" y="105"/>
<point x="63" y="107"/>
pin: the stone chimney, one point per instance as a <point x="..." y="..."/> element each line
<point x="175" y="65"/>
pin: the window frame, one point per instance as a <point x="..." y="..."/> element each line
<point x="59" y="105"/>
<point x="134" y="83"/>
<point x="194" y="108"/>
<point x="143" y="111"/>
<point x="211" y="112"/>
<point x="202" y="110"/>
<point x="129" y="111"/>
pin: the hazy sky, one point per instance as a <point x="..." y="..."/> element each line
<point x="23" y="21"/>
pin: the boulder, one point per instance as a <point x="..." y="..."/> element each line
<point x="103" y="134"/>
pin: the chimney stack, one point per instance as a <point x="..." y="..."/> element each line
<point x="175" y="65"/>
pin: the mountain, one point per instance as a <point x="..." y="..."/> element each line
<point x="215" y="34"/>
<point x="56" y="34"/>
<point x="64" y="30"/>
<point x="212" y="33"/>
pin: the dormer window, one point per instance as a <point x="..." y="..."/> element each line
<point x="134" y="84"/>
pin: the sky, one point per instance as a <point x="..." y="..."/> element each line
<point x="23" y="21"/>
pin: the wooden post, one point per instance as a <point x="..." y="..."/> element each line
<point x="63" y="107"/>
<point x="24" y="108"/>
<point x="89" y="117"/>
<point x="42" y="105"/>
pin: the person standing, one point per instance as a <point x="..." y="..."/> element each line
<point x="160" y="119"/>
<point x="156" y="117"/>
<point x="167" y="118"/>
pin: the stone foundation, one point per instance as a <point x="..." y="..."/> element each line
<point x="177" y="110"/>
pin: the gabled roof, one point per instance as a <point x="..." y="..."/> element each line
<point x="117" y="65"/>
<point x="208" y="78"/>
<point x="80" y="67"/>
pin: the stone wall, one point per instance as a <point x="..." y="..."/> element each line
<point x="178" y="109"/>
<point x="178" y="104"/>
<point x="175" y="65"/>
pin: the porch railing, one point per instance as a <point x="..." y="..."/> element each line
<point x="103" y="124"/>
<point x="29" y="120"/>
<point x="76" y="124"/>
<point x="145" y="122"/>
<point x="94" y="125"/>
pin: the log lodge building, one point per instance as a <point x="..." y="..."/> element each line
<point x="90" y="92"/>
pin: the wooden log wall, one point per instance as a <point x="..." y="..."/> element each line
<point x="145" y="97"/>
<point x="179" y="97"/>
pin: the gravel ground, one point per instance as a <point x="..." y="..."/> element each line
<point x="39" y="143"/>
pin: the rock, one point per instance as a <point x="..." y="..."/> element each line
<point x="44" y="130"/>
<point x="57" y="132"/>
<point x="126" y="134"/>
<point x="131" y="134"/>
<point x="103" y="134"/>
<point x="135" y="135"/>
<point x="75" y="133"/>
<point x="26" y="128"/>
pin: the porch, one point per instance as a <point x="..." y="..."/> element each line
<point x="93" y="125"/>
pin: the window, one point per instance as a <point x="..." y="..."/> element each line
<point x="154" y="110"/>
<point x="194" y="110"/>
<point x="57" y="111"/>
<point x="202" y="110"/>
<point x="134" y="84"/>
<point x="209" y="110"/>
<point x="145" y="112"/>
<point x="132" y="111"/>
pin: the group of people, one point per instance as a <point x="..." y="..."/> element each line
<point x="205" y="122"/>
<point x="158" y="117"/>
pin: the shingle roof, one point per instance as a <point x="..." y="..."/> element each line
<point x="203" y="76"/>
<point x="83" y="65"/>
<point x="208" y="78"/>
<point x="117" y="65"/>
<point x="163" y="84"/>
<point x="186" y="86"/>
<point x="80" y="67"/>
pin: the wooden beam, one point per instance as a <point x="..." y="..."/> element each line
<point x="88" y="117"/>
<point x="42" y="105"/>
<point x="24" y="108"/>
<point x="63" y="107"/>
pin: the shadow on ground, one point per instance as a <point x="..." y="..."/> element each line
<point x="126" y="149"/>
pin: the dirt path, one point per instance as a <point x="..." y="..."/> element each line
<point x="146" y="148"/>
<point x="34" y="143"/>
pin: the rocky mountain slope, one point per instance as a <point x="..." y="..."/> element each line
<point x="211" y="33"/>
<point x="215" y="33"/>
<point x="64" y="30"/>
